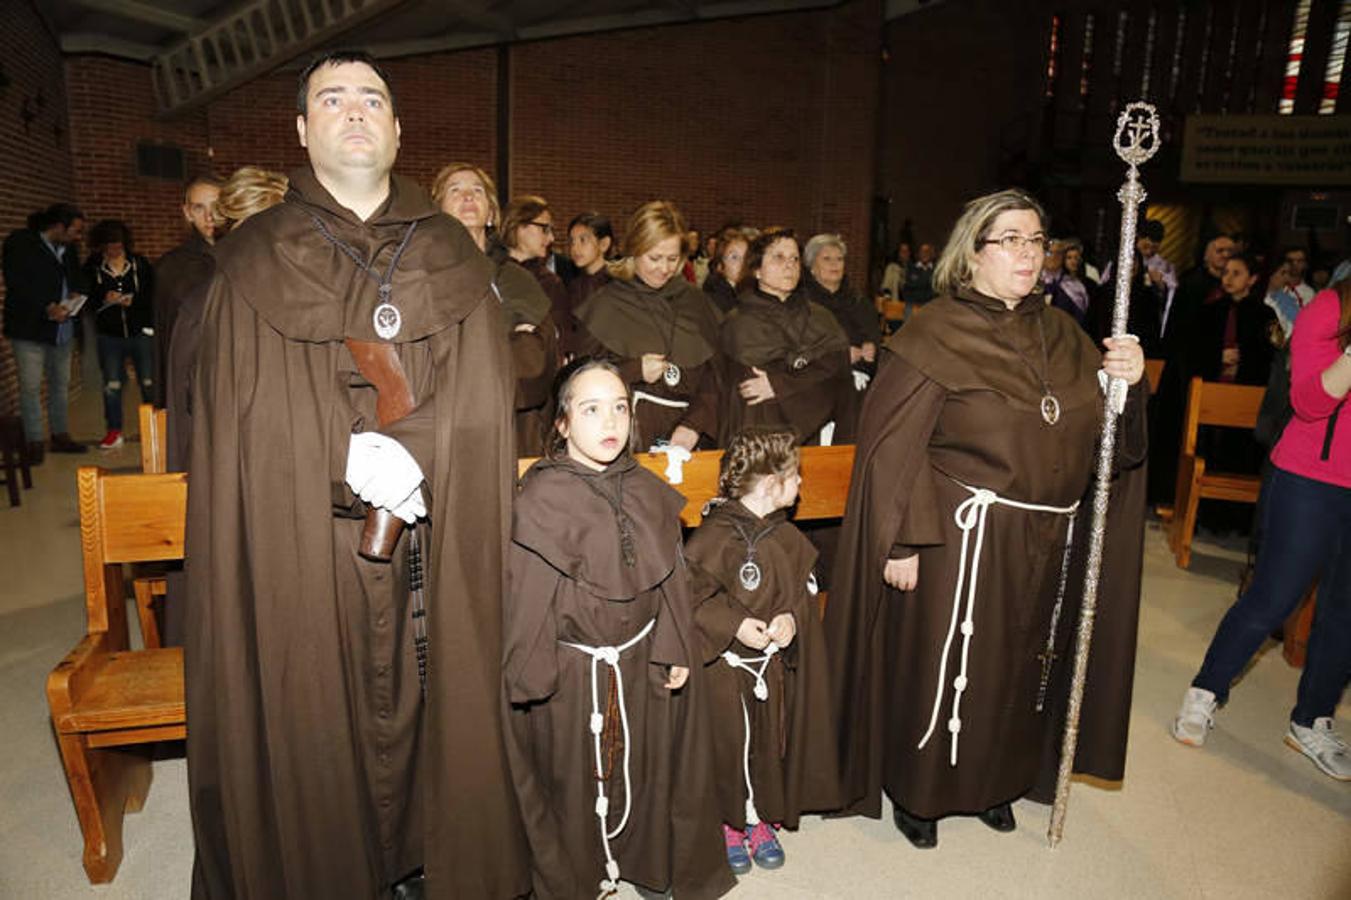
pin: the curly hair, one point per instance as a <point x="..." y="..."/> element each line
<point x="555" y="445"/>
<point x="249" y="191"/>
<point x="756" y="250"/>
<point x="753" y="454"/>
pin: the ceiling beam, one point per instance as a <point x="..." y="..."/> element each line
<point x="146" y="13"/>
<point x="89" y="42"/>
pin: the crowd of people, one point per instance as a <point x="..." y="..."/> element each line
<point x="547" y="687"/>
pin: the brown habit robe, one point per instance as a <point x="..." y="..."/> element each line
<point x="316" y="767"/>
<point x="625" y="319"/>
<point x="805" y="353"/>
<point x="179" y="273"/>
<point x="534" y="352"/>
<point x="957" y="399"/>
<point x="570" y="582"/>
<point x="793" y="761"/>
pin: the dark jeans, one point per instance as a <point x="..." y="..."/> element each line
<point x="113" y="355"/>
<point x="1306" y="534"/>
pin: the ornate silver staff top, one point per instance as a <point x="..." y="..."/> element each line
<point x="1135" y="141"/>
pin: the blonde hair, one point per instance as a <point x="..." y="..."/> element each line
<point x="754" y="453"/>
<point x="441" y="184"/>
<point x="521" y="211"/>
<point x="953" y="270"/>
<point x="650" y="224"/>
<point x="249" y="191"/>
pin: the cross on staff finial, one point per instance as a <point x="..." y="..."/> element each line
<point x="1137" y="133"/>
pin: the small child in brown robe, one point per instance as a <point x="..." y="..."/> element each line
<point x="607" y="732"/>
<point x="757" y="615"/>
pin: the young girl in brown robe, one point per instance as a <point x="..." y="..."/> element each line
<point x="606" y="736"/>
<point x="756" y="610"/>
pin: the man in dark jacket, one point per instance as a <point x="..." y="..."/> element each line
<point x="43" y="292"/>
<point x="184" y="269"/>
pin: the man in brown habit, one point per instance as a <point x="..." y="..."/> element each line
<point x="345" y="731"/>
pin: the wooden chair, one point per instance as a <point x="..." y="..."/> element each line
<point x="1221" y="405"/>
<point x="106" y="700"/>
<point x="154" y="439"/>
<point x="890" y="311"/>
<point x="14" y="462"/>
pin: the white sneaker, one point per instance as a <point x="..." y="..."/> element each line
<point x="1323" y="745"/>
<point x="1195" y="718"/>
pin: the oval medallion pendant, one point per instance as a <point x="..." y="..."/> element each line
<point x="671" y="375"/>
<point x="1050" y="409"/>
<point x="387" y="321"/>
<point x="749" y="575"/>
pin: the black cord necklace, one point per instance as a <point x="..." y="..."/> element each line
<point x="1050" y="404"/>
<point x="386" y="319"/>
<point x="749" y="574"/>
<point x="622" y="520"/>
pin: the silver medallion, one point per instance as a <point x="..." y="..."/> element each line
<point x="387" y="321"/>
<point x="1050" y="409"/>
<point x="671" y="375"/>
<point x="799" y="363"/>
<point x="812" y="587"/>
<point x="749" y="575"/>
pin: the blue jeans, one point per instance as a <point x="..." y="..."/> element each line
<point x="1306" y="534"/>
<point x="113" y="355"/>
<point x="35" y="359"/>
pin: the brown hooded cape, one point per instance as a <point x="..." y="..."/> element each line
<point x="316" y="767"/>
<point x="793" y="760"/>
<point x="569" y="582"/>
<point x="957" y="399"/>
<point x="179" y="273"/>
<point x="534" y="351"/>
<point x="625" y="319"/>
<point x="805" y="353"/>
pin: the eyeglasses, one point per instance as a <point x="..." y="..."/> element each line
<point x="546" y="227"/>
<point x="1015" y="243"/>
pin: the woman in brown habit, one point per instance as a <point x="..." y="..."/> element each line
<point x="975" y="446"/>
<point x="660" y="331"/>
<point x="787" y="357"/>
<point x="467" y="193"/>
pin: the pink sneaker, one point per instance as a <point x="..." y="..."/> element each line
<point x="737" y="857"/>
<point x="765" y="848"/>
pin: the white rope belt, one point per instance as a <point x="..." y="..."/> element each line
<point x="970" y="516"/>
<point x="761" y="692"/>
<point x="660" y="401"/>
<point x="610" y="656"/>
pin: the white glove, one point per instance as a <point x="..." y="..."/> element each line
<point x="676" y="457"/>
<point x="381" y="472"/>
<point x="861" y="379"/>
<point x="411" y="509"/>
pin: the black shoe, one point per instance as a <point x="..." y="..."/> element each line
<point x="1000" y="817"/>
<point x="410" y="888"/>
<point x="649" y="894"/>
<point x="923" y="833"/>
<point x="33" y="452"/>
<point x="64" y="443"/>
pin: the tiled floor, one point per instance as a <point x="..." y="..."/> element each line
<point x="1245" y="817"/>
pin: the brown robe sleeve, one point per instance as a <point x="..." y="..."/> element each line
<point x="533" y="355"/>
<point x="530" y="636"/>
<point x="717" y="615"/>
<point x="788" y="383"/>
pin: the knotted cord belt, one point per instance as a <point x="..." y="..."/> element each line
<point x="761" y="692"/>
<point x="610" y="656"/>
<point x="971" y="516"/>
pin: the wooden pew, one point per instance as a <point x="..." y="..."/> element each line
<point x="106" y="700"/>
<point x="154" y="439"/>
<point x="1219" y="405"/>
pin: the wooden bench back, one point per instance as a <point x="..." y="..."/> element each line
<point x="825" y="481"/>
<point x="1154" y="371"/>
<point x="154" y="439"/>
<point x="125" y="519"/>
<point x="1219" y="404"/>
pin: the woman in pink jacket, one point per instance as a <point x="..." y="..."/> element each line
<point x="1307" y="535"/>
